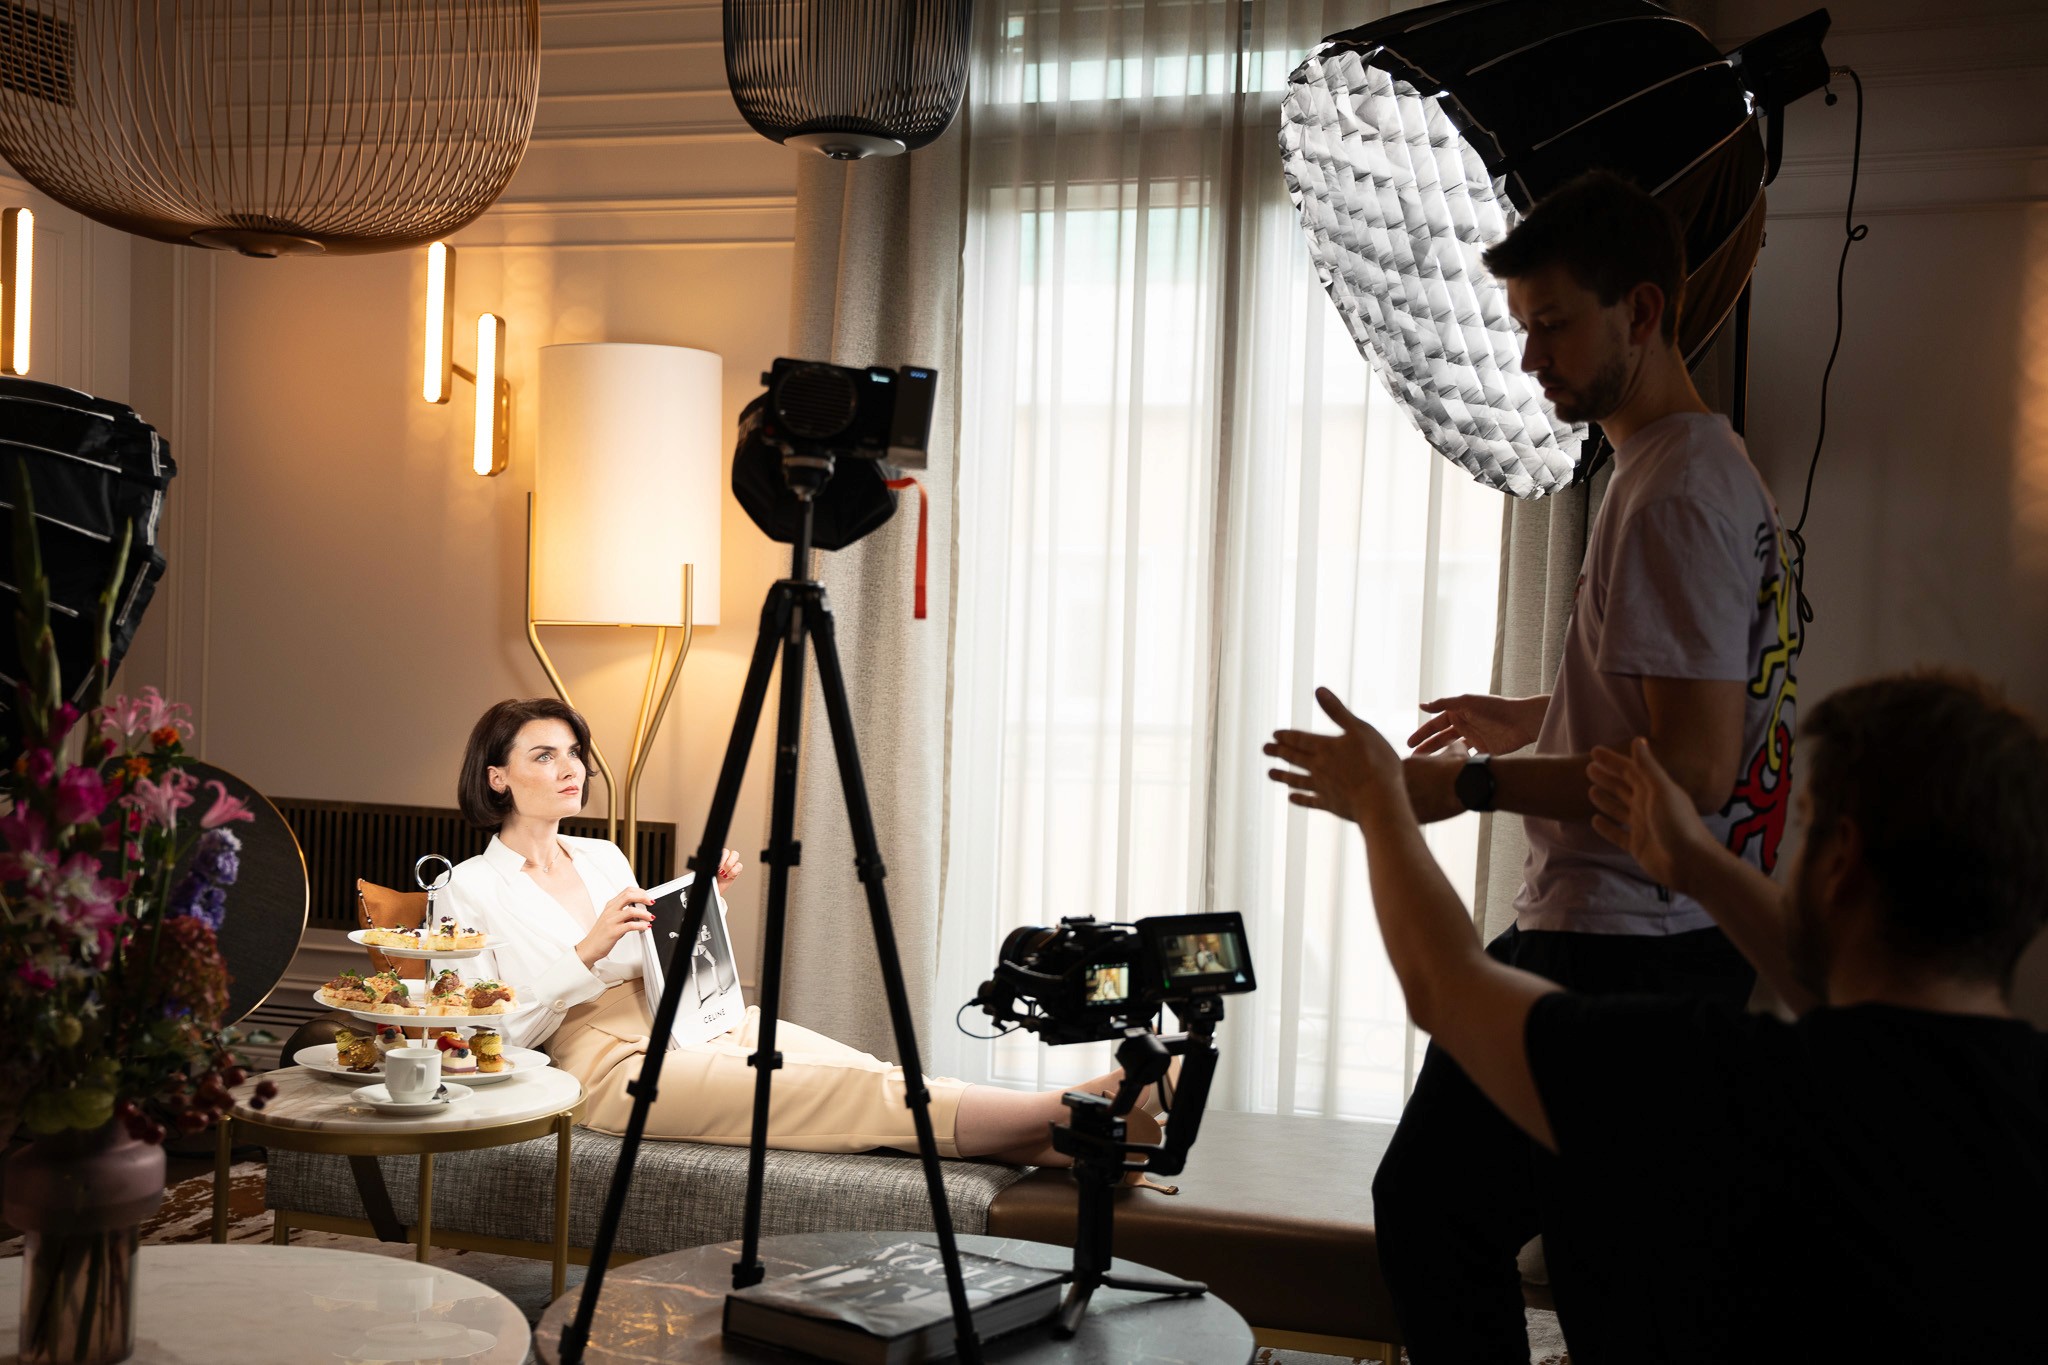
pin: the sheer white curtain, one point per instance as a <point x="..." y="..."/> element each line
<point x="1183" y="504"/>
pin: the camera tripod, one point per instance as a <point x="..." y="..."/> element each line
<point x="796" y="613"/>
<point x="1095" y="1139"/>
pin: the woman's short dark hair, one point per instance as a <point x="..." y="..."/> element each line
<point x="1948" y="784"/>
<point x="490" y="746"/>
<point x="1608" y="234"/>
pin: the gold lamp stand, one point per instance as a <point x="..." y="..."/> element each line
<point x="651" y="709"/>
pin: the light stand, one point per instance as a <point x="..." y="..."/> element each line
<point x="796" y="612"/>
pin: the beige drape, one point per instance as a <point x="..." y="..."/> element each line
<point x="876" y="281"/>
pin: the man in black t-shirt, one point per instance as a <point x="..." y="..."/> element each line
<point x="1868" y="1182"/>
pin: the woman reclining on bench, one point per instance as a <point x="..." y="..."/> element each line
<point x="561" y="914"/>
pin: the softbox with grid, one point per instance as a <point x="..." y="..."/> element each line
<point x="1413" y="143"/>
<point x="93" y="467"/>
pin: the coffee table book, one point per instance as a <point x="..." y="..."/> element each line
<point x="890" y="1307"/>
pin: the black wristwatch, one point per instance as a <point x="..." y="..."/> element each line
<point x="1475" y="784"/>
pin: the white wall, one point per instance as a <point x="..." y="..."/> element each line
<point x="344" y="595"/>
<point x="1929" y="531"/>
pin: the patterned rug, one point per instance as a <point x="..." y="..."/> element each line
<point x="187" y="1216"/>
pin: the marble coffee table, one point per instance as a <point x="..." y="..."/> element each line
<point x="314" y="1112"/>
<point x="257" y="1305"/>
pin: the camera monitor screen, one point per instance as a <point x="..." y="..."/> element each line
<point x="1203" y="952"/>
<point x="1109" y="985"/>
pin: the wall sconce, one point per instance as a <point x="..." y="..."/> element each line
<point x="492" y="445"/>
<point x="17" y="286"/>
<point x="624" y="513"/>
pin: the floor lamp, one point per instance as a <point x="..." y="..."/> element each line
<point x="622" y="528"/>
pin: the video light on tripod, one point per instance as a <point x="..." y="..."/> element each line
<point x="1411" y="144"/>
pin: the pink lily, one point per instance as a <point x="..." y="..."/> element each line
<point x="159" y="802"/>
<point x="225" y="808"/>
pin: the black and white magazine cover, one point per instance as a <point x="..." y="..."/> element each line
<point x="712" y="1001"/>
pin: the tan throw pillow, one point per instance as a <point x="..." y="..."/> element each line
<point x="379" y="907"/>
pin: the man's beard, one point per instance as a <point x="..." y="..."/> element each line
<point x="1601" y="396"/>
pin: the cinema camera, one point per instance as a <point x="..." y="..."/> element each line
<point x="1086" y="982"/>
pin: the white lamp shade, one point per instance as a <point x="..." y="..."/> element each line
<point x="627" y="488"/>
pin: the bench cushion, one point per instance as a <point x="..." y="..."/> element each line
<point x="684" y="1194"/>
<point x="1274" y="1215"/>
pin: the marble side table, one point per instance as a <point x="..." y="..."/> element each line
<point x="668" y="1309"/>
<point x="313" y="1112"/>
<point x="257" y="1305"/>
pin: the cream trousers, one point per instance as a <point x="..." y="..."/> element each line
<point x="827" y="1097"/>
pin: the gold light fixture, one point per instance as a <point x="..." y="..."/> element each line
<point x="280" y="128"/>
<point x="491" y="445"/>
<point x="493" y="398"/>
<point x="627" y="482"/>
<point x="17" y="286"/>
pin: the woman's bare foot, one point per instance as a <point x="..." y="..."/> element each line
<point x="1142" y="1127"/>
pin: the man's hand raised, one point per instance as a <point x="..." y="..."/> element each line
<point x="1354" y="773"/>
<point x="1648" y="815"/>
<point x="1487" y="725"/>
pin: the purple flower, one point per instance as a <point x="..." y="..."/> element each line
<point x="36" y="977"/>
<point x="201" y="893"/>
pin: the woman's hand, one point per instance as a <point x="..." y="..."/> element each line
<point x="1487" y="725"/>
<point x="1647" y="815"/>
<point x="625" y="913"/>
<point x="729" y="868"/>
<point x="1354" y="773"/>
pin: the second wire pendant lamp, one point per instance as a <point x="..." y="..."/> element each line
<point x="848" y="78"/>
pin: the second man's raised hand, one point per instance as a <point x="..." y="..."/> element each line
<point x="1649" y="816"/>
<point x="1354" y="773"/>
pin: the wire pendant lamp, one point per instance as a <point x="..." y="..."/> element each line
<point x="849" y="78"/>
<point x="270" y="127"/>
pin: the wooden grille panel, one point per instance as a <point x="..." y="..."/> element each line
<point x="344" y="840"/>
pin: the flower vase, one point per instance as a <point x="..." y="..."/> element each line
<point x="80" y="1199"/>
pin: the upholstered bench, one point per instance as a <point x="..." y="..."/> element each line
<point x="1274" y="1213"/>
<point x="685" y="1194"/>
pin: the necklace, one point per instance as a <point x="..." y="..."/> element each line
<point x="546" y="868"/>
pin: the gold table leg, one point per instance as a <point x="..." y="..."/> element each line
<point x="223" y="1161"/>
<point x="563" y="1125"/>
<point x="426" y="1214"/>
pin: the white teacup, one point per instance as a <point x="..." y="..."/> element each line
<point x="412" y="1073"/>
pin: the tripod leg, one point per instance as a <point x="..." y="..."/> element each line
<point x="782" y="854"/>
<point x="776" y="611"/>
<point x="868" y="867"/>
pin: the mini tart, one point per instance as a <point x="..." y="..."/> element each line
<point x="459" y="1061"/>
<point x="491" y="997"/>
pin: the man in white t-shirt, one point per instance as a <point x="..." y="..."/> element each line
<point x="1684" y="630"/>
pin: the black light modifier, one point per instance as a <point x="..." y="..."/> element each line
<point x="1413" y="143"/>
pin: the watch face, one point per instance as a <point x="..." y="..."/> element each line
<point x="1474" y="785"/>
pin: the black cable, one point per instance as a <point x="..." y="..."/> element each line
<point x="1853" y="232"/>
<point x="982" y="1037"/>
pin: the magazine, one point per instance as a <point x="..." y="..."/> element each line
<point x="890" y="1307"/>
<point x="712" y="1001"/>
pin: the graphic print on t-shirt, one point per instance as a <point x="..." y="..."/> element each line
<point x="1756" y="811"/>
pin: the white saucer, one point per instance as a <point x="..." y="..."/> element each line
<point x="379" y="1098"/>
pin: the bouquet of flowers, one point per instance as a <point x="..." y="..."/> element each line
<point x="112" y="986"/>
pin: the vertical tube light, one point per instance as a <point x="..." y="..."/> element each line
<point x="439" y="377"/>
<point x="493" y="396"/>
<point x="17" y="286"/>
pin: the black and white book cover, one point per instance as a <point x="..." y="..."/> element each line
<point x="712" y="1001"/>
<point x="892" y="1295"/>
